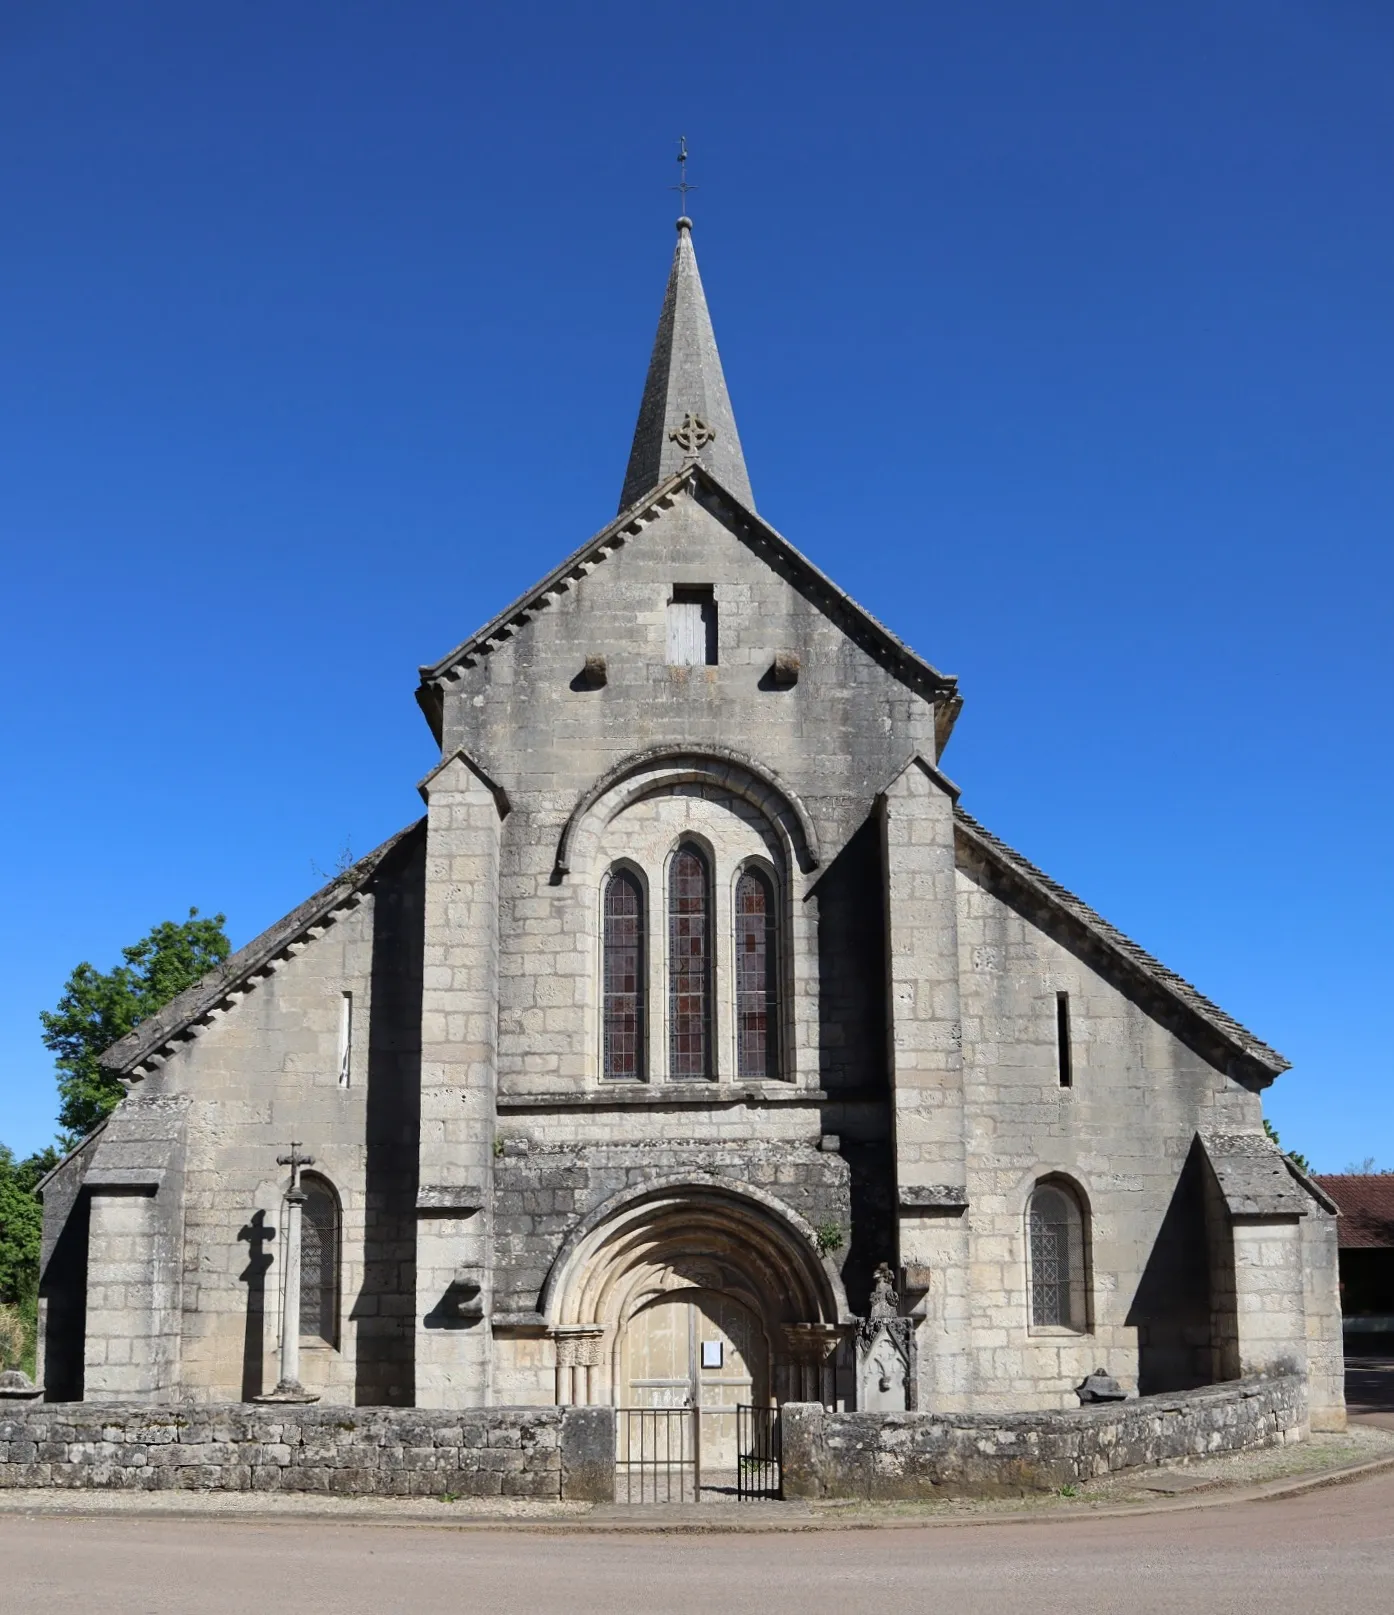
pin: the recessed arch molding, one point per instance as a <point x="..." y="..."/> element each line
<point x="643" y="772"/>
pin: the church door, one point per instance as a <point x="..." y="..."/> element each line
<point x="701" y="1349"/>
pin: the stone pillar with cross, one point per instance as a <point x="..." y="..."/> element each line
<point x="289" y="1388"/>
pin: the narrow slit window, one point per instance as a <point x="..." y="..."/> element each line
<point x="757" y="1006"/>
<point x="623" y="1053"/>
<point x="692" y="627"/>
<point x="689" y="966"/>
<point x="345" y="1038"/>
<point x="1064" y="1055"/>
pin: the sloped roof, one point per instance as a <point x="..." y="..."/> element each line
<point x="698" y="482"/>
<point x="1366" y="1204"/>
<point x="236" y="974"/>
<point x="1135" y="961"/>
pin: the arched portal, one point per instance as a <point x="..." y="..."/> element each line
<point x="695" y="1293"/>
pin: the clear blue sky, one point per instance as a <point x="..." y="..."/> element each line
<point x="1062" y="336"/>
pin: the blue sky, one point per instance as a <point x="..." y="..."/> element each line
<point x="1060" y="335"/>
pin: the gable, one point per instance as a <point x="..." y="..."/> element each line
<point x="758" y="539"/>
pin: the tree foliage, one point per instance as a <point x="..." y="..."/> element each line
<point x="97" y="1007"/>
<point x="1299" y="1161"/>
<point x="21" y="1219"/>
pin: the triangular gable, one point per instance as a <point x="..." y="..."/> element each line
<point x="147" y="1044"/>
<point x="695" y="480"/>
<point x="1254" y="1060"/>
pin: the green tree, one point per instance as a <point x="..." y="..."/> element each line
<point x="1299" y="1161"/>
<point x="97" y="1007"/>
<point x="21" y="1219"/>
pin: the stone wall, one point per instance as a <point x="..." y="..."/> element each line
<point x="510" y="1452"/>
<point x="924" y="1455"/>
<point x="543" y="1191"/>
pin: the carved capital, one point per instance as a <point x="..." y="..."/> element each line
<point x="811" y="1342"/>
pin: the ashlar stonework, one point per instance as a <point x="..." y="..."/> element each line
<point x="694" y="1048"/>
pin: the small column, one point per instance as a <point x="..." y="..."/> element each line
<point x="289" y="1389"/>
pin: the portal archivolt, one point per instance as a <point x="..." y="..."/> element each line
<point x="648" y="1283"/>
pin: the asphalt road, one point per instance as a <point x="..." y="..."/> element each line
<point x="1329" y="1551"/>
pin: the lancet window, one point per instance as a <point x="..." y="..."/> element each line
<point x="319" y="1261"/>
<point x="623" y="1014"/>
<point x="1058" y="1255"/>
<point x="756" y="963"/>
<point x="689" y="965"/>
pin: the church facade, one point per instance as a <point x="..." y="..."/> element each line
<point x="695" y="1047"/>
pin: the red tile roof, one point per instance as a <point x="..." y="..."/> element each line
<point x="1367" y="1209"/>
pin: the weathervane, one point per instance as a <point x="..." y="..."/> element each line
<point x="682" y="187"/>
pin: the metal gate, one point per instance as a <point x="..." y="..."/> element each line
<point x="657" y="1455"/>
<point x="758" y="1450"/>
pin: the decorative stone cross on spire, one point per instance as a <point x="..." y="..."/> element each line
<point x="693" y="434"/>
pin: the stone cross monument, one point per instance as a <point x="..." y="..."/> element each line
<point x="289" y="1388"/>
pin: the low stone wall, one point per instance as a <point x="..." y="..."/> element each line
<point x="922" y="1455"/>
<point x="479" y="1452"/>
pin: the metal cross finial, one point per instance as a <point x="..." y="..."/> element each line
<point x="295" y="1160"/>
<point x="682" y="187"/>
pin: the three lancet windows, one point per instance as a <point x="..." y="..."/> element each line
<point x="689" y="967"/>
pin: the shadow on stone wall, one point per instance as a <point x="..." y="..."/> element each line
<point x="384" y="1309"/>
<point x="1171" y="1310"/>
<point x="64" y="1294"/>
<point x="258" y="1236"/>
<point x="852" y="1021"/>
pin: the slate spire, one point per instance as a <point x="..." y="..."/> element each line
<point x="686" y="411"/>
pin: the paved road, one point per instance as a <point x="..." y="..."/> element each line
<point x="1330" y="1551"/>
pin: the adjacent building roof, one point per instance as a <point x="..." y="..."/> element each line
<point x="685" y="413"/>
<point x="177" y="1020"/>
<point x="1366" y="1204"/>
<point x="1135" y="961"/>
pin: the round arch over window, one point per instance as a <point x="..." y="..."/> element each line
<point x="689" y="964"/>
<point x="320" y="1239"/>
<point x="623" y="1017"/>
<point x="757" y="975"/>
<point x="1057" y="1257"/>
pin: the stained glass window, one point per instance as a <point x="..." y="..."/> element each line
<point x="624" y="977"/>
<point x="1050" y="1220"/>
<point x="757" y="1006"/>
<point x="689" y="965"/>
<point x="319" y="1262"/>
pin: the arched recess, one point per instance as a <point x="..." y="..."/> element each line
<point x="695" y="1233"/>
<point x="659" y="768"/>
<point x="321" y="1240"/>
<point x="1059" y="1282"/>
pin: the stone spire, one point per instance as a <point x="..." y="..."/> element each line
<point x="686" y="412"/>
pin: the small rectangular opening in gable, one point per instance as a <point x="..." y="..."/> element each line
<point x="692" y="626"/>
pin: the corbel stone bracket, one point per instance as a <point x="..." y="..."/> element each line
<point x="936" y="1199"/>
<point x="448" y="1200"/>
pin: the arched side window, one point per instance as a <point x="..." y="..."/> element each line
<point x="319" y="1261"/>
<point x="622" y="1052"/>
<point x="757" y="977"/>
<point x="1058" y="1257"/>
<point x="689" y="965"/>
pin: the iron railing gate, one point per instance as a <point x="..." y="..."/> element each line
<point x="657" y="1455"/>
<point x="757" y="1453"/>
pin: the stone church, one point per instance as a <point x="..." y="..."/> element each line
<point x="695" y="1048"/>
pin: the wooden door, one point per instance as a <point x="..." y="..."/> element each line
<point x="702" y="1349"/>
